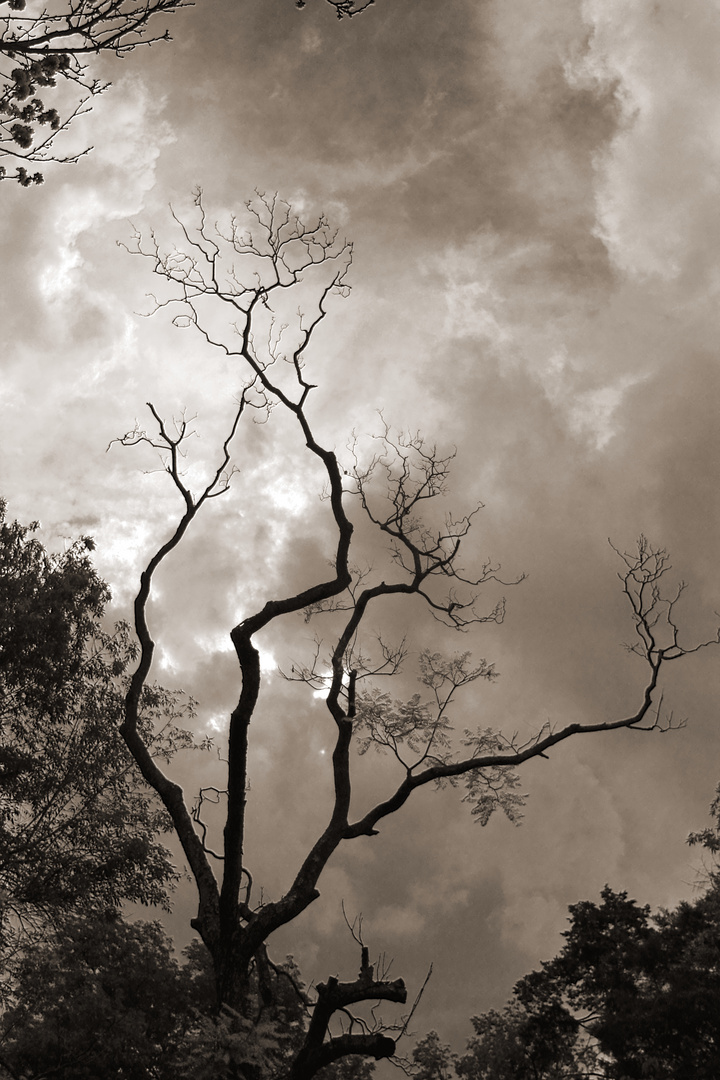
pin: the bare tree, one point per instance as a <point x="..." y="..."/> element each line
<point x="253" y="273"/>
<point x="49" y="51"/>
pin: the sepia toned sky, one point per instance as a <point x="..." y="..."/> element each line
<point x="532" y="190"/>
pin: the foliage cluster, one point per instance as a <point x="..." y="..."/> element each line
<point x="631" y="995"/>
<point x="78" y="827"/>
<point x="104" y="997"/>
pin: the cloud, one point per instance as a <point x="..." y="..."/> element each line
<point x="129" y="134"/>
<point x="531" y="190"/>
<point x="537" y="890"/>
<point x="656" y="205"/>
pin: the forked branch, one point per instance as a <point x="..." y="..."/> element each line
<point x="183" y="819"/>
<point x="335" y="997"/>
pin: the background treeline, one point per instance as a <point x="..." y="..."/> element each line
<point x="632" y="994"/>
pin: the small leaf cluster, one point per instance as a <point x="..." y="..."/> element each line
<point x="419" y="734"/>
<point x="394" y="725"/>
<point x="492" y="787"/>
<point x="22" y="113"/>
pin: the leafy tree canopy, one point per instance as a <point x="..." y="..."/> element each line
<point x="104" y="998"/>
<point x="107" y="997"/>
<point x="631" y="995"/>
<point x="644" y="989"/>
<point x="78" y="828"/>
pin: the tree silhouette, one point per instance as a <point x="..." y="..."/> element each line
<point x="253" y="270"/>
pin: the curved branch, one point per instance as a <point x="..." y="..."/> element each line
<point x="171" y="793"/>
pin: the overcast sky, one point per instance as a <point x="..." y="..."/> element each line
<point x="532" y="190"/>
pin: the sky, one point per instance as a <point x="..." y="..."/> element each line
<point x="531" y="188"/>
